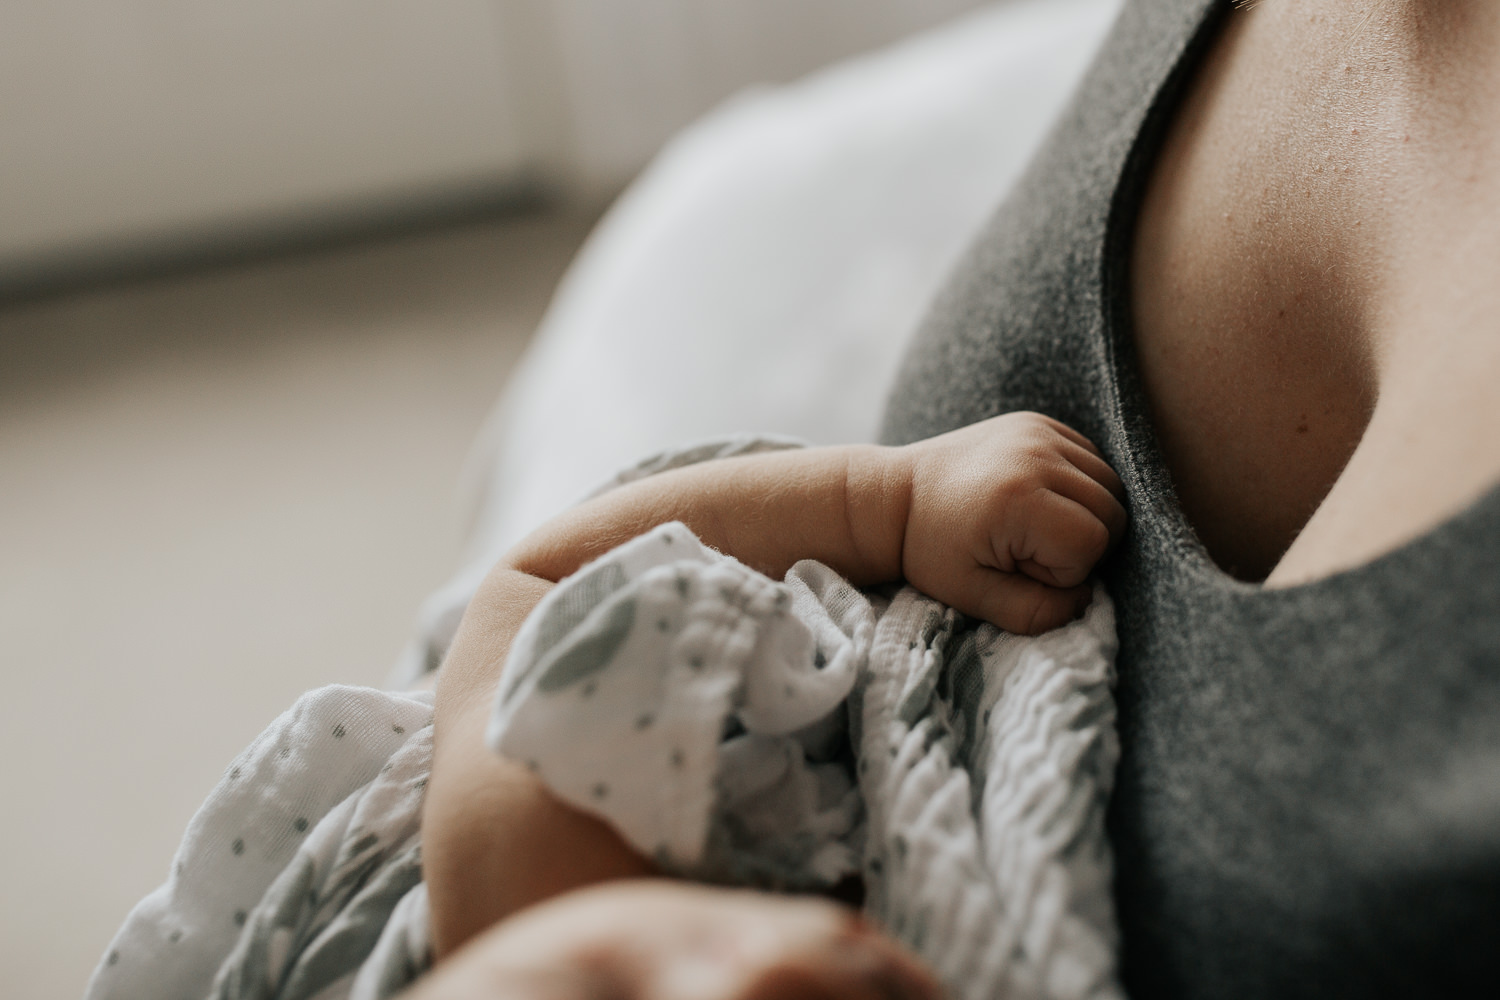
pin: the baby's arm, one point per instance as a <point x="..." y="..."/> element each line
<point x="1003" y="520"/>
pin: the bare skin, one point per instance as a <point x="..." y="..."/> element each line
<point x="1313" y="279"/>
<point x="1004" y="520"/>
<point x="671" y="941"/>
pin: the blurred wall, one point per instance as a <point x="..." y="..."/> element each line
<point x="629" y="73"/>
<point x="128" y="118"/>
<point x="133" y="128"/>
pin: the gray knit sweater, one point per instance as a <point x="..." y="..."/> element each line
<point x="1309" y="795"/>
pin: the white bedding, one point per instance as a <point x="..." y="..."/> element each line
<point x="767" y="269"/>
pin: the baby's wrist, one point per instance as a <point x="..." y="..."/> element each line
<point x="878" y="492"/>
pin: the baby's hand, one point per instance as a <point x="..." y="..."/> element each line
<point x="1007" y="519"/>
<point x="658" y="940"/>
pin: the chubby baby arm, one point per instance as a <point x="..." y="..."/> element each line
<point x="1003" y="520"/>
<point x="494" y="840"/>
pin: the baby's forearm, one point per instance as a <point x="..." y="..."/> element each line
<point x="494" y="840"/>
<point x="1004" y="520"/>
<point x="845" y="506"/>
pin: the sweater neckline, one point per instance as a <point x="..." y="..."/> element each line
<point x="1146" y="474"/>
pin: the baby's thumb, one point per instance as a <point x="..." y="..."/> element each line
<point x="1020" y="604"/>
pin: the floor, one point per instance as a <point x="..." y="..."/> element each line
<point x="217" y="491"/>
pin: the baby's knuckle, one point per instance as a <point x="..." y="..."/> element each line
<point x="1033" y="498"/>
<point x="1095" y="539"/>
<point x="1029" y="418"/>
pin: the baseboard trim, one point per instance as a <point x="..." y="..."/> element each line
<point x="233" y="242"/>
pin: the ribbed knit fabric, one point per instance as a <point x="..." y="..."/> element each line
<point x="1309" y="792"/>
<point x="986" y="762"/>
<point x="721" y="722"/>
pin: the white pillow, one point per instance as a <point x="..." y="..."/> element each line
<point x="765" y="272"/>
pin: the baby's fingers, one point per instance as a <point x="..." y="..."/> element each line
<point x="1088" y="480"/>
<point x="1053" y="539"/>
<point x="1020" y="604"/>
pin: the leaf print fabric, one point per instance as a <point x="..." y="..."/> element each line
<point x="788" y="735"/>
<point x="746" y="731"/>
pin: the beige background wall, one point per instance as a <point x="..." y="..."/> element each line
<point x="127" y="118"/>
<point x="130" y="126"/>
<point x="630" y="74"/>
<point x="217" y="491"/>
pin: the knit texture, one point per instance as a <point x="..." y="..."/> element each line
<point x="1310" y="777"/>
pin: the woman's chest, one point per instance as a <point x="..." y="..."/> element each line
<point x="1283" y="325"/>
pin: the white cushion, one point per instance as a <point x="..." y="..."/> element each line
<point x="765" y="272"/>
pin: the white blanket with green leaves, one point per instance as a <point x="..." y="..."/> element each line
<point x="301" y="875"/>
<point x="784" y="734"/>
<point x="790" y="735"/>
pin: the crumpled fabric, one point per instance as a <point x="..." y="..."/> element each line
<point x="300" y="878"/>
<point x="790" y="734"/>
<point x="960" y="771"/>
<point x="696" y="705"/>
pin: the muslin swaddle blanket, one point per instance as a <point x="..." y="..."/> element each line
<point x="737" y="729"/>
<point x="787" y="735"/>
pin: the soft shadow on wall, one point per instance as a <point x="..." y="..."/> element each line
<point x="151" y="136"/>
